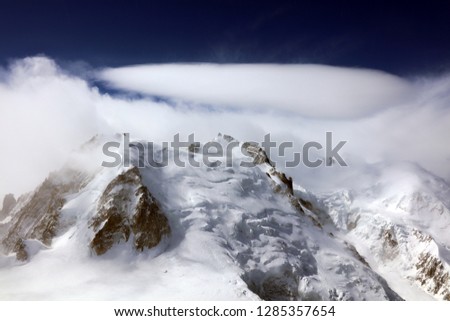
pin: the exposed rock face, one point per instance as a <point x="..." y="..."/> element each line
<point x="256" y="152"/>
<point x="283" y="184"/>
<point x="20" y="250"/>
<point x="38" y="218"/>
<point x="194" y="148"/>
<point x="415" y="253"/>
<point x="126" y="210"/>
<point x="274" y="286"/>
<point x="431" y="273"/>
<point x="356" y="254"/>
<point x="9" y="202"/>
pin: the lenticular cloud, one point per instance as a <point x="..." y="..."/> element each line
<point x="46" y="112"/>
<point x="308" y="90"/>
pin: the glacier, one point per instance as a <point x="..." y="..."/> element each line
<point x="224" y="233"/>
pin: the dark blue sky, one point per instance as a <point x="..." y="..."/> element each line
<point x="403" y="37"/>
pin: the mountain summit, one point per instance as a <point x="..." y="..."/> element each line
<point x="223" y="231"/>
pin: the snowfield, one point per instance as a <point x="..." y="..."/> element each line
<point x="236" y="233"/>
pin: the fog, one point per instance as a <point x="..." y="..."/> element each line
<point x="46" y="112"/>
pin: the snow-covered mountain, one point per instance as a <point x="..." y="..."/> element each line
<point x="401" y="225"/>
<point x="223" y="232"/>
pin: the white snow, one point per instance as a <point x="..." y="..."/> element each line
<point x="403" y="199"/>
<point x="227" y="225"/>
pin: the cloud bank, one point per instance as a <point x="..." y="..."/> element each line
<point x="308" y="90"/>
<point x="45" y="113"/>
<point x="42" y="112"/>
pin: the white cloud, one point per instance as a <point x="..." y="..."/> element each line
<point x="45" y="113"/>
<point x="308" y="90"/>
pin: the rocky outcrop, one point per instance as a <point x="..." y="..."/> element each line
<point x="279" y="285"/>
<point x="431" y="271"/>
<point x="21" y="250"/>
<point x="432" y="274"/>
<point x="9" y="201"/>
<point x="283" y="184"/>
<point x="257" y="153"/>
<point x="127" y="211"/>
<point x="38" y="217"/>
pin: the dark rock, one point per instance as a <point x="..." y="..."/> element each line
<point x="286" y="181"/>
<point x="282" y="183"/>
<point x="38" y="218"/>
<point x="390" y="239"/>
<point x="194" y="148"/>
<point x="228" y="138"/>
<point x="9" y="202"/>
<point x="257" y="153"/>
<point x="356" y="254"/>
<point x="306" y="204"/>
<point x="148" y="224"/>
<point x="113" y="231"/>
<point x="127" y="210"/>
<point x="431" y="268"/>
<point x="21" y="250"/>
<point x="273" y="286"/>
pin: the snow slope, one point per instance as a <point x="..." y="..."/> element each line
<point x="400" y="224"/>
<point x="238" y="233"/>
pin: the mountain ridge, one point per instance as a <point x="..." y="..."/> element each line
<point x="252" y="232"/>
